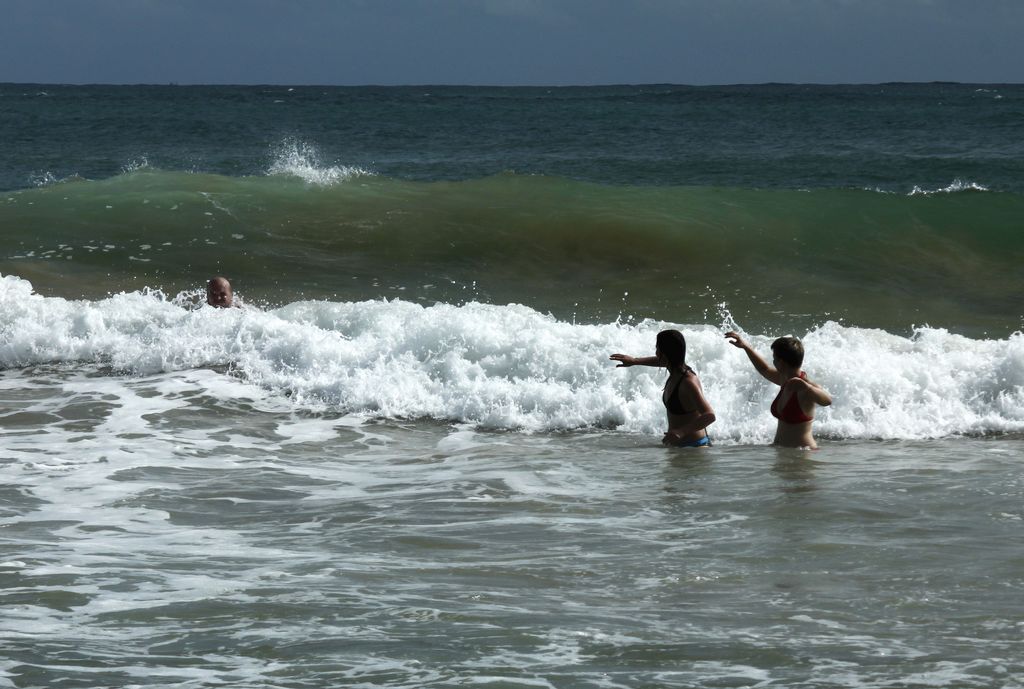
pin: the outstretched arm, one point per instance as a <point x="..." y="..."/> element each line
<point x="762" y="366"/>
<point x="626" y="360"/>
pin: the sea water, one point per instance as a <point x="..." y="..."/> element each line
<point x="407" y="461"/>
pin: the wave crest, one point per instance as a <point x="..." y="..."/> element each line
<point x="301" y="159"/>
<point x="511" y="367"/>
<point x="955" y="187"/>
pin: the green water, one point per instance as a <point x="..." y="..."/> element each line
<point x="864" y="258"/>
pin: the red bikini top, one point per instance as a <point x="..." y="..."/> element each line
<point x="791" y="413"/>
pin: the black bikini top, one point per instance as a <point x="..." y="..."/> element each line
<point x="673" y="404"/>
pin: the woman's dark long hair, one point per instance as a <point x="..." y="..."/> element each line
<point x="672" y="346"/>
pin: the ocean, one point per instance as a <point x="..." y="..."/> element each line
<point x="407" y="460"/>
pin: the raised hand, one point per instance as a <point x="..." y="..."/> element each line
<point x="735" y="340"/>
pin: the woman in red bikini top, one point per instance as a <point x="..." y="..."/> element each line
<point x="798" y="396"/>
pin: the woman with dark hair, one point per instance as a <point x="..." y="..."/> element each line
<point x="799" y="395"/>
<point x="689" y="414"/>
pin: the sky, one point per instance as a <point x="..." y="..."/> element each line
<point x="510" y="42"/>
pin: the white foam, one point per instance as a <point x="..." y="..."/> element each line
<point x="510" y="367"/>
<point x="307" y="430"/>
<point x="956" y="186"/>
<point x="48" y="179"/>
<point x="135" y="165"/>
<point x="299" y="159"/>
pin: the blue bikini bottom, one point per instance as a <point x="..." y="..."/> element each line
<point x="703" y="442"/>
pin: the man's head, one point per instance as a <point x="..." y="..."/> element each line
<point x="218" y="292"/>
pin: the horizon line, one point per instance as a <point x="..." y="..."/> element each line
<point x="524" y="86"/>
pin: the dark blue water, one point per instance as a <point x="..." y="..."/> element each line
<point x="891" y="136"/>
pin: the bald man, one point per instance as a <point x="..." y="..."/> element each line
<point x="218" y="293"/>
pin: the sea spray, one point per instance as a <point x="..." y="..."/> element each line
<point x="512" y="367"/>
<point x="301" y="159"/>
